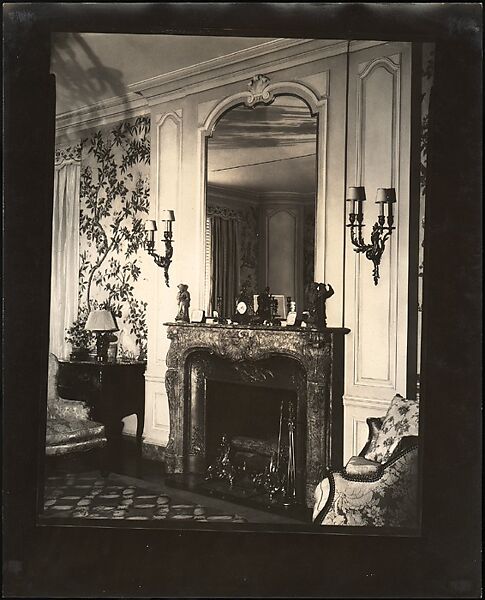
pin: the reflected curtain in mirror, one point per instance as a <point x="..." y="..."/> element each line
<point x="65" y="247"/>
<point x="224" y="262"/>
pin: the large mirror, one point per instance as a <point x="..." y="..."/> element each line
<point x="260" y="205"/>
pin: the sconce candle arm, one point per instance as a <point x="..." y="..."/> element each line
<point x="162" y="261"/>
<point x="379" y="236"/>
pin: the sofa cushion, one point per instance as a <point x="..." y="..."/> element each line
<point x="375" y="424"/>
<point x="60" y="431"/>
<point x="401" y="420"/>
<point x="358" y="465"/>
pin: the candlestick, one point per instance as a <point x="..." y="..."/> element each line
<point x="381" y="199"/>
<point x="356" y="195"/>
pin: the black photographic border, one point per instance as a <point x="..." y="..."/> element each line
<point x="86" y="561"/>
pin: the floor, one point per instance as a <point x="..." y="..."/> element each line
<point x="154" y="477"/>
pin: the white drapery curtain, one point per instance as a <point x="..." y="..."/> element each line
<point x="65" y="252"/>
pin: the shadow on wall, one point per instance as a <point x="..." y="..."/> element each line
<point x="82" y="79"/>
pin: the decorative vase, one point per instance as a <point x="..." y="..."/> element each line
<point x="112" y="352"/>
<point x="79" y="353"/>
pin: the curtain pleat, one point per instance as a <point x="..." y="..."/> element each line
<point x="225" y="263"/>
<point x="65" y="256"/>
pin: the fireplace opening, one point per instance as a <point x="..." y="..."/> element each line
<point x="249" y="415"/>
<point x="259" y="430"/>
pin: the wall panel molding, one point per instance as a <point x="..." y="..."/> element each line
<point x="375" y="363"/>
<point x="379" y="155"/>
<point x="168" y="174"/>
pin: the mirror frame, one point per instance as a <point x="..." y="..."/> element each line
<point x="262" y="92"/>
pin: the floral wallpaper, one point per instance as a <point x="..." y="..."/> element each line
<point x="114" y="202"/>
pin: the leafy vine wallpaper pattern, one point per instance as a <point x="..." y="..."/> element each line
<point x="114" y="203"/>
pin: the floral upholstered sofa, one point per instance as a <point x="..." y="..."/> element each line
<point x="378" y="488"/>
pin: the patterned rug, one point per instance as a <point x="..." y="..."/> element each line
<point x="90" y="496"/>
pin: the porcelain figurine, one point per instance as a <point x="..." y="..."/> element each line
<point x="183" y="299"/>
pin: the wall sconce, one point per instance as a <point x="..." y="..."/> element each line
<point x="168" y="217"/>
<point x="380" y="232"/>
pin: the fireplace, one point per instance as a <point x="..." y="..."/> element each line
<point x="249" y="383"/>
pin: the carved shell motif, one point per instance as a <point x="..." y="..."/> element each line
<point x="245" y="346"/>
<point x="258" y="90"/>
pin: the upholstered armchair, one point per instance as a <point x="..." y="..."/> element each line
<point x="379" y="487"/>
<point x="69" y="428"/>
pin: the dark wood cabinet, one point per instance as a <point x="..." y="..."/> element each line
<point x="112" y="391"/>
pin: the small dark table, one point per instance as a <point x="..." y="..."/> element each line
<point x="113" y="390"/>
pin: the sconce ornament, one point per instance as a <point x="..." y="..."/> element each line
<point x="168" y="218"/>
<point x="380" y="231"/>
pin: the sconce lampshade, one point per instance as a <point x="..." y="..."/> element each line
<point x="167" y="215"/>
<point x="150" y="225"/>
<point x="356" y="193"/>
<point x="385" y="195"/>
<point x="101" y="320"/>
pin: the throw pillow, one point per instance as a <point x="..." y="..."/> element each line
<point x="401" y="420"/>
<point x="358" y="465"/>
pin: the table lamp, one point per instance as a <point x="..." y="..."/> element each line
<point x="101" y="322"/>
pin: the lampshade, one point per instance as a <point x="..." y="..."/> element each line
<point x="167" y="215"/>
<point x="385" y="195"/>
<point x="150" y="225"/>
<point x="356" y="193"/>
<point x="101" y="320"/>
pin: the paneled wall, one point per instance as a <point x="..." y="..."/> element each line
<point x="166" y="174"/>
<point x="282" y="248"/>
<point x="365" y="141"/>
<point x="378" y="156"/>
<point x="187" y="156"/>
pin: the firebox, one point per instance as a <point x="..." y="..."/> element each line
<point x="261" y="426"/>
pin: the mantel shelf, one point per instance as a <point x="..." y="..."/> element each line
<point x="232" y="326"/>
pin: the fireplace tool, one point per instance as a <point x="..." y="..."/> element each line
<point x="273" y="480"/>
<point x="222" y="468"/>
<point x="290" y="491"/>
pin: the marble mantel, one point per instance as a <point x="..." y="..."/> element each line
<point x="318" y="354"/>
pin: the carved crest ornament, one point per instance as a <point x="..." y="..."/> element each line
<point x="258" y="91"/>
